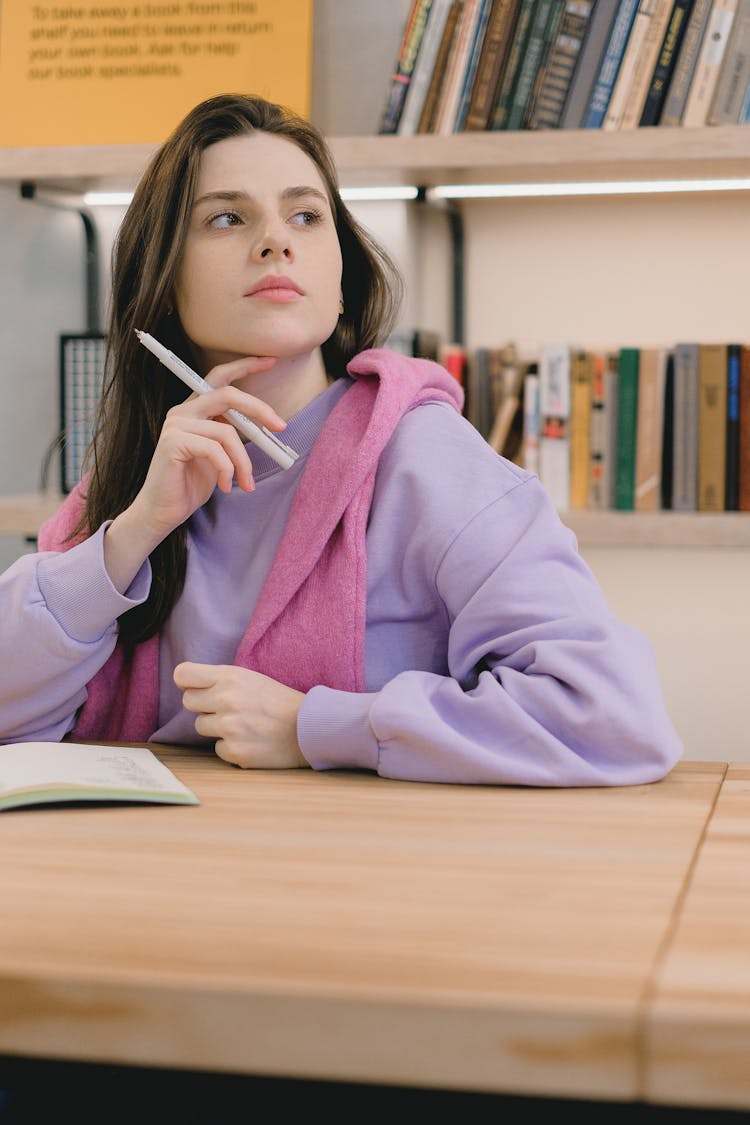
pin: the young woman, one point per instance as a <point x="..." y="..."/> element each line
<point x="400" y="600"/>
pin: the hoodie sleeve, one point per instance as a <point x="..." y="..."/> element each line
<point x="60" y="615"/>
<point x="542" y="686"/>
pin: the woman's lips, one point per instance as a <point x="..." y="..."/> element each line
<point x="275" y="289"/>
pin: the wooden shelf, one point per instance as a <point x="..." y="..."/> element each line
<point x="23" y="515"/>
<point x="660" y="529"/>
<point x="548" y="156"/>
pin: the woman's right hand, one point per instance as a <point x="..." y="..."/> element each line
<point x="197" y="451"/>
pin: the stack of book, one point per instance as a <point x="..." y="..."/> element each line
<point x="628" y="429"/>
<point x="467" y="65"/>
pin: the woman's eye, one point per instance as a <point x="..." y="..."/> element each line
<point x="306" y="218"/>
<point x="225" y="219"/>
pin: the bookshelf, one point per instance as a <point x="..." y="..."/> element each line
<point x="427" y="160"/>
<point x="507" y="157"/>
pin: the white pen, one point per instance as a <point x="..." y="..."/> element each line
<point x="265" y="439"/>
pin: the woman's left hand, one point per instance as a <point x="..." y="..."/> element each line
<point x="252" y="718"/>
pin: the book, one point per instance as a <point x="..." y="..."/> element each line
<point x="43" y="773"/>
<point x="581" y="391"/>
<point x="495" y="48"/>
<point x="743" y="470"/>
<point x="549" y="97"/>
<point x="603" y="431"/>
<point x="686" y="398"/>
<point x="507" y="372"/>
<point x="404" y="65"/>
<point x="627" y="422"/>
<point x="732" y="459"/>
<point x="649" y="429"/>
<point x="453" y="358"/>
<point x="667" y="437"/>
<point x="442" y="60"/>
<point x="674" y="103"/>
<point x="633" y="60"/>
<point x="598" y="29"/>
<point x="734" y="74"/>
<point x="543" y="25"/>
<point x="532" y="420"/>
<point x="450" y="94"/>
<point x="484" y="387"/>
<point x="665" y="63"/>
<point x="712" y="427"/>
<point x="554" y="438"/>
<point x="609" y="65"/>
<point x="654" y="15"/>
<point x="516" y="52"/>
<point x="419" y="84"/>
<point x="472" y="62"/>
<point x="708" y="64"/>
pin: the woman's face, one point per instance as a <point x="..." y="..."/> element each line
<point x="261" y="269"/>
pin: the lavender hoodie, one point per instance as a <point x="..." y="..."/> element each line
<point x="486" y="652"/>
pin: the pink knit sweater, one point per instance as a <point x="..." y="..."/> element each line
<point x="308" y="625"/>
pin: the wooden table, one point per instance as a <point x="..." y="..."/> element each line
<point x="551" y="943"/>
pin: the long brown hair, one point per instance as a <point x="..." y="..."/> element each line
<point x="138" y="391"/>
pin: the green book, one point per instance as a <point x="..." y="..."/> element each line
<point x="627" y="424"/>
<point x="521" y="31"/>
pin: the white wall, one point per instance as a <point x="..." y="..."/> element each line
<point x="598" y="272"/>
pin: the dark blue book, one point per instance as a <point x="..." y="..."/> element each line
<point x="666" y="61"/>
<point x="609" y="66"/>
<point x="732" y="476"/>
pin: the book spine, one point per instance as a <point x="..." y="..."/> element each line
<point x="635" y="52"/>
<point x="581" y="392"/>
<point x="530" y="63"/>
<point x="708" y="65"/>
<point x="627" y="425"/>
<point x="685" y="428"/>
<point x="561" y="62"/>
<point x="679" y="87"/>
<point x="432" y="100"/>
<point x="532" y="423"/>
<point x="480" y="30"/>
<point x="743" y="471"/>
<point x="712" y="427"/>
<point x="495" y="49"/>
<point x="549" y="38"/>
<point x="732" y="466"/>
<point x="665" y="64"/>
<point x="597" y="33"/>
<point x="420" y="80"/>
<point x="649" y="429"/>
<point x="554" y="441"/>
<point x="451" y="91"/>
<point x="404" y="67"/>
<point x="602" y="434"/>
<point x="513" y="64"/>
<point x="667" y="443"/>
<point x="732" y="83"/>
<point x="646" y="63"/>
<point x="610" y="65"/>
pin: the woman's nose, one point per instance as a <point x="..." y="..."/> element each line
<point x="273" y="244"/>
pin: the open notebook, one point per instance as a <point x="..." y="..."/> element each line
<point x="38" y="773"/>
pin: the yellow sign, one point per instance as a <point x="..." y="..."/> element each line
<point x="87" y="72"/>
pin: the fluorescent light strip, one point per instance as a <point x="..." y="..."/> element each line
<point x="363" y="195"/>
<point x="107" y="198"/>
<point x="374" y="194"/>
<point x="493" y="191"/>
<point x="613" y="187"/>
